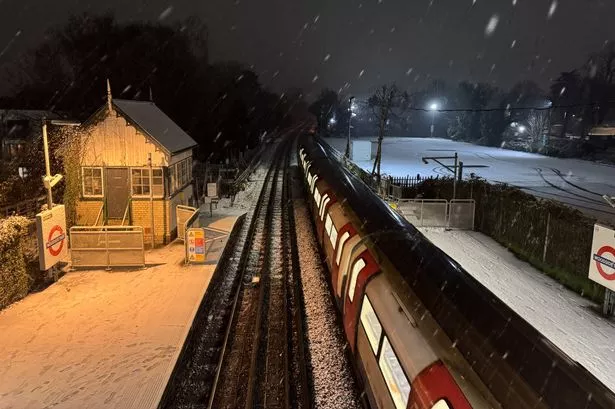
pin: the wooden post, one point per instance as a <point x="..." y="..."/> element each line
<point x="544" y="251"/>
<point x="609" y="303"/>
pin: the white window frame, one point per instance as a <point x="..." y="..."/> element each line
<point x="149" y="179"/>
<point x="340" y="248"/>
<point x="333" y="235"/>
<point x="354" y="274"/>
<point x="323" y="205"/>
<point x="328" y="224"/>
<point x="317" y="198"/>
<point x="102" y="181"/>
<point x="386" y="363"/>
<point x="373" y="329"/>
<point x="313" y="183"/>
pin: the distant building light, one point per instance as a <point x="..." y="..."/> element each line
<point x="521" y="128"/>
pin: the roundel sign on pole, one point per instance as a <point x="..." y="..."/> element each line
<point x="52" y="237"/>
<point x="602" y="262"/>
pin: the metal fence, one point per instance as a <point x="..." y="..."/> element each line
<point x="186" y="215"/>
<point x="107" y="246"/>
<point x="456" y="214"/>
<point x="424" y="213"/>
<point x="461" y="214"/>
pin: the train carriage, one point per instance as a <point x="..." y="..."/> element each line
<point x="423" y="332"/>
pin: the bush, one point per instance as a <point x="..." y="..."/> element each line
<point x="14" y="279"/>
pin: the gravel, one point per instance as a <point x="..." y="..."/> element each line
<point x="333" y="383"/>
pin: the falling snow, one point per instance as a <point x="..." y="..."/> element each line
<point x="513" y="44"/>
<point x="315" y="79"/>
<point x="166" y="13"/>
<point x="409" y="71"/>
<point x="361" y="73"/>
<point x="327" y="57"/>
<point x="552" y="9"/>
<point x="492" y="25"/>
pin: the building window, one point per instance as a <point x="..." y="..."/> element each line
<point x="181" y="174"/>
<point x="394" y="375"/>
<point x="92" y="182"/>
<point x="141" y="182"/>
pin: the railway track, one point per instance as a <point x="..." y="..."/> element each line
<point x="263" y="363"/>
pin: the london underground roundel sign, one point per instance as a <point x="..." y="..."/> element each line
<point x="602" y="261"/>
<point x="55" y="240"/>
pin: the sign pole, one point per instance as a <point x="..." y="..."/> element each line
<point x="609" y="303"/>
<point x="47" y="165"/>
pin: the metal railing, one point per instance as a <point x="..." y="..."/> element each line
<point x="100" y="214"/>
<point x="186" y="217"/>
<point x="28" y="207"/>
<point x="424" y="213"/>
<point x="456" y="214"/>
<point x="461" y="214"/>
<point x="107" y="246"/>
<point x="126" y="212"/>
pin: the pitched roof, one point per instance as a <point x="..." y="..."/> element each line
<point x="155" y="123"/>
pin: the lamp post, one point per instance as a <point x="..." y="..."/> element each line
<point x="433" y="108"/>
<point x="347" y="154"/>
<point x="48" y="180"/>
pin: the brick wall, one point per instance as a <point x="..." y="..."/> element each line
<point x="87" y="211"/>
<point x="141" y="216"/>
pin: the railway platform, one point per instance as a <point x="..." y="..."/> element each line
<point x="104" y="339"/>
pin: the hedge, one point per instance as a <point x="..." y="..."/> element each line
<point x="522" y="223"/>
<point x="14" y="279"/>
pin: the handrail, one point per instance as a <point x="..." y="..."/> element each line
<point x="100" y="212"/>
<point x="126" y="211"/>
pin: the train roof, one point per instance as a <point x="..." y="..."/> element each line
<point x="443" y="285"/>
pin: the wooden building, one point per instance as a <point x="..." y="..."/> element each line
<point x="135" y="159"/>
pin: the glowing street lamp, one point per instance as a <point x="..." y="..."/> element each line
<point x="521" y="128"/>
<point x="434" y="107"/>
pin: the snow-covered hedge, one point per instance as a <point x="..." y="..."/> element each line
<point x="14" y="278"/>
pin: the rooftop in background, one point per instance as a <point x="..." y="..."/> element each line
<point x="26" y="114"/>
<point x="155" y="123"/>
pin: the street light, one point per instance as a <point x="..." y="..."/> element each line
<point x="521" y="128"/>
<point x="350" y="107"/>
<point x="433" y="108"/>
<point x="48" y="180"/>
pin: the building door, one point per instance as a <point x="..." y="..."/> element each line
<point x="117" y="192"/>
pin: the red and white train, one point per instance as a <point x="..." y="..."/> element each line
<point x="425" y="334"/>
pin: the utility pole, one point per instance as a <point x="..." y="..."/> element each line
<point x="347" y="154"/>
<point x="50" y="181"/>
<point x="456" y="169"/>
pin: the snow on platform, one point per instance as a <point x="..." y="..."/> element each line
<point x="564" y="317"/>
<point x="575" y="182"/>
<point x="99" y="339"/>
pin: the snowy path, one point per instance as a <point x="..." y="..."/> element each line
<point x="575" y="182"/>
<point x="562" y="316"/>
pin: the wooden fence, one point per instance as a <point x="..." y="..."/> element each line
<point x="27" y="208"/>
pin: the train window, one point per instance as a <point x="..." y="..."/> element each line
<point x="345" y="237"/>
<point x="321" y="205"/>
<point x="356" y="269"/>
<point x="333" y="236"/>
<point x="328" y="224"/>
<point x="324" y="207"/>
<point x="394" y="375"/>
<point x="371" y="324"/>
<point x="441" y="404"/>
<point x="313" y="182"/>
<point x="317" y="197"/>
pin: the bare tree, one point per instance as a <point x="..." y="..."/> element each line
<point x="386" y="102"/>
<point x="537" y="124"/>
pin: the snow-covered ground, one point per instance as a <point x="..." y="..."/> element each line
<point x="99" y="339"/>
<point x="564" y="317"/>
<point x="333" y="383"/>
<point x="572" y="181"/>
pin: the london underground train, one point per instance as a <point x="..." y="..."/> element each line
<point x="424" y="334"/>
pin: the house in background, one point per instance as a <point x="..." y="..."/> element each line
<point x="135" y="159"/>
<point x="18" y="127"/>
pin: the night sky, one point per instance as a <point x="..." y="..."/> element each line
<point x="361" y="43"/>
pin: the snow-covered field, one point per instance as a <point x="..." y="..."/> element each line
<point x="572" y="181"/>
<point x="561" y="315"/>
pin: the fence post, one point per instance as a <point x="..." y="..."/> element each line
<point x="544" y="251"/>
<point x="107" y="249"/>
<point x="422" y="202"/>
